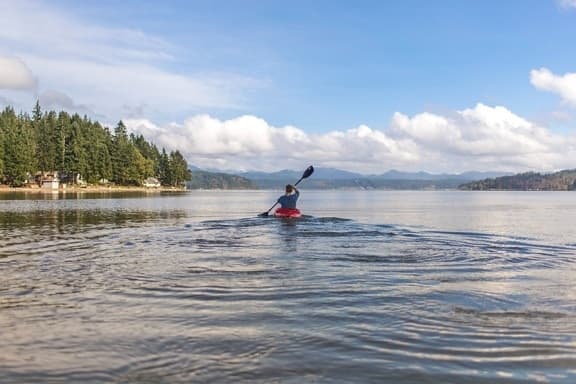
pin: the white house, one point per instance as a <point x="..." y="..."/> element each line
<point x="151" y="182"/>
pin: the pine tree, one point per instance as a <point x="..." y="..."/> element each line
<point x="19" y="152"/>
<point x="121" y="156"/>
<point x="45" y="128"/>
<point x="74" y="146"/>
<point x="75" y="157"/>
<point x="178" y="169"/>
<point x="3" y="130"/>
<point x="164" y="169"/>
<point x="97" y="143"/>
<point x="60" y="136"/>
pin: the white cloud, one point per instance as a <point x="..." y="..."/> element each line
<point x="248" y="142"/>
<point x="110" y="70"/>
<point x="483" y="130"/>
<point x="119" y="72"/>
<point x="565" y="85"/>
<point x="479" y="138"/>
<point x="111" y="87"/>
<point x="486" y="138"/>
<point x="567" y="3"/>
<point x="14" y="74"/>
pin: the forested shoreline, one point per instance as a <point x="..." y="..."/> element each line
<point x="530" y="181"/>
<point x="79" y="149"/>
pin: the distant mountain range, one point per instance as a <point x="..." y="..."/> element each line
<point x="332" y="178"/>
<point x="338" y="174"/>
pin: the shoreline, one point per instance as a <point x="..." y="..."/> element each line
<point x="88" y="189"/>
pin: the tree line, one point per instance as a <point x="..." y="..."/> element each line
<point x="530" y="181"/>
<point x="74" y="145"/>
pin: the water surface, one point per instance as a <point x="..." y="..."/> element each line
<point x="369" y="287"/>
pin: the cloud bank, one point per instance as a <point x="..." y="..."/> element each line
<point x="96" y="66"/>
<point x="15" y="75"/>
<point x="72" y="64"/>
<point x="479" y="138"/>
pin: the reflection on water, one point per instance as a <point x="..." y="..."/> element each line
<point x="74" y="220"/>
<point x="150" y="290"/>
<point x="37" y="195"/>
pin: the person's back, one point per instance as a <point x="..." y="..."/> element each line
<point x="288" y="201"/>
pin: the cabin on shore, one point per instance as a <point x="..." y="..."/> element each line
<point x="56" y="180"/>
<point x="46" y="180"/>
<point x="151" y="182"/>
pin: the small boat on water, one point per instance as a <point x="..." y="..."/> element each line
<point x="287" y="212"/>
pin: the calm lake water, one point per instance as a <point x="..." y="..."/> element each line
<point x="369" y="287"/>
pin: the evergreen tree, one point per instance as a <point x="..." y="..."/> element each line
<point x="121" y="155"/>
<point x="164" y="169"/>
<point x="73" y="146"/>
<point x="148" y="150"/>
<point x="37" y="112"/>
<point x="150" y="155"/>
<point x="60" y="136"/>
<point x="1" y="151"/>
<point x="179" y="172"/>
<point x="139" y="168"/>
<point x="97" y="150"/>
<point x="19" y="152"/>
<point x="74" y="155"/>
<point x="4" y="121"/>
<point x="45" y="128"/>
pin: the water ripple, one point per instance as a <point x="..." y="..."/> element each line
<point x="265" y="300"/>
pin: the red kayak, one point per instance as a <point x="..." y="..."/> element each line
<point x="287" y="212"/>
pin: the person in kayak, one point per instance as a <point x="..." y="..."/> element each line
<point x="288" y="203"/>
<point x="289" y="199"/>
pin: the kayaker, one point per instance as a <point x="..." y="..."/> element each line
<point x="289" y="199"/>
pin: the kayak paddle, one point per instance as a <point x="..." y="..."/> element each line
<point x="307" y="173"/>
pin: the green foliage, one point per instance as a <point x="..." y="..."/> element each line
<point x="211" y="180"/>
<point x="164" y="171"/>
<point x="74" y="145"/>
<point x="4" y="123"/>
<point x="19" y="149"/>
<point x="179" y="172"/>
<point x="529" y="181"/>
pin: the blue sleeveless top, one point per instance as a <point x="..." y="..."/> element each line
<point x="289" y="201"/>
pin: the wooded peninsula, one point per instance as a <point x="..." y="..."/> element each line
<point x="530" y="181"/>
<point x="56" y="148"/>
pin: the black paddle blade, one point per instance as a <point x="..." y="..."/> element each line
<point x="264" y="214"/>
<point x="308" y="172"/>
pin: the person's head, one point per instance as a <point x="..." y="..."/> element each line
<point x="289" y="189"/>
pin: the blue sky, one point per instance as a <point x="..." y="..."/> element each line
<point x="443" y="86"/>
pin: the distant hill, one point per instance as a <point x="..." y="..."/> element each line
<point x="215" y="180"/>
<point x="276" y="176"/>
<point x="332" y="178"/>
<point x="530" y="181"/>
<point x="472" y="175"/>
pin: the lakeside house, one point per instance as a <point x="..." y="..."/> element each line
<point x="45" y="180"/>
<point x="56" y="180"/>
<point x="151" y="182"/>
